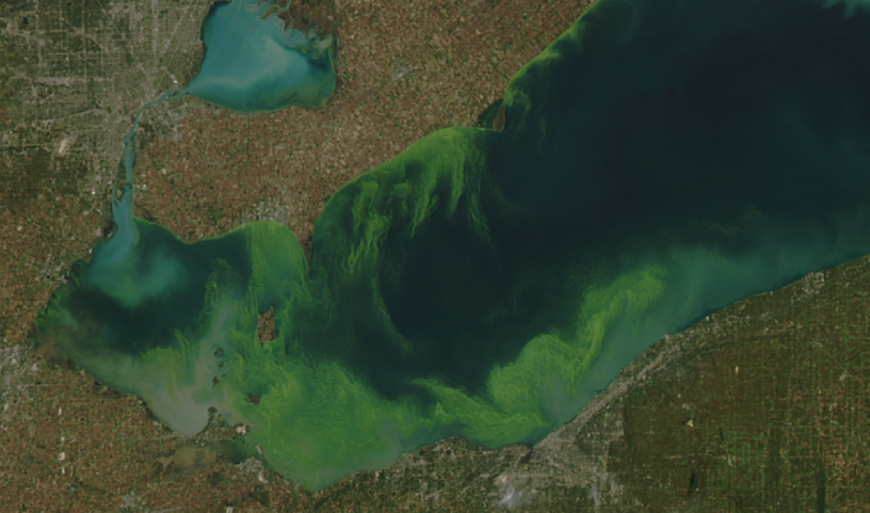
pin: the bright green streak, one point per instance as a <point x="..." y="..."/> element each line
<point x="488" y="284"/>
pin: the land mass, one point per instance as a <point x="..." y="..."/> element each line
<point x="760" y="407"/>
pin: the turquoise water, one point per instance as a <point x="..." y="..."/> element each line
<point x="253" y="64"/>
<point x="659" y="161"/>
<point x="114" y="268"/>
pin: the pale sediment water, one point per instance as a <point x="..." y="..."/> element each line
<point x="254" y="63"/>
<point x="659" y="161"/>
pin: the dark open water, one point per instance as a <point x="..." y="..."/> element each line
<point x="660" y="160"/>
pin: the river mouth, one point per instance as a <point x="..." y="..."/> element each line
<point x="488" y="283"/>
<point x="254" y="62"/>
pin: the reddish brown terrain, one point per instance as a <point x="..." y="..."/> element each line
<point x="760" y="408"/>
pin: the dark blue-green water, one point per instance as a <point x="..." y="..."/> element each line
<point x="660" y="160"/>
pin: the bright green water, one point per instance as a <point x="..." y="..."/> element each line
<point x="660" y="160"/>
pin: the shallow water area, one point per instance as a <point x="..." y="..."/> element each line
<point x="252" y="63"/>
<point x="659" y="161"/>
